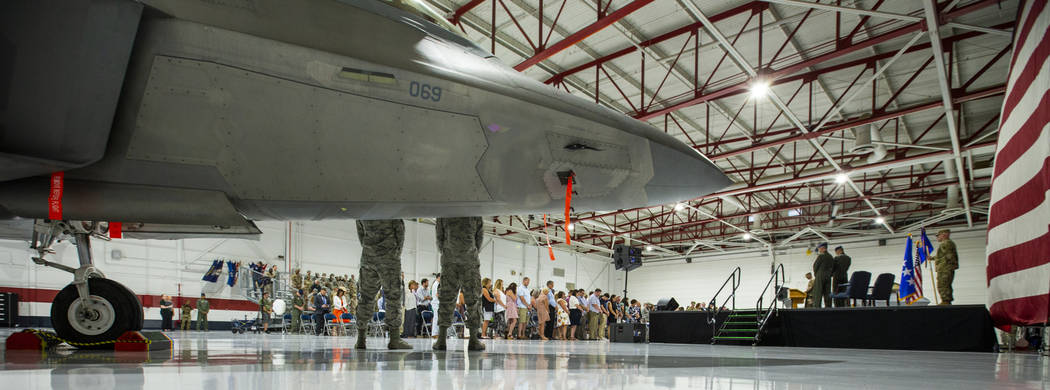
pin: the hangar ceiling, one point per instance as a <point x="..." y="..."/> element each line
<point x="834" y="119"/>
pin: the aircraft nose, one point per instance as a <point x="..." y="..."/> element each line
<point x="680" y="173"/>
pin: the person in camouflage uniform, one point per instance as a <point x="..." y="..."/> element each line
<point x="187" y="310"/>
<point x="297" y="280"/>
<point x="381" y="243"/>
<point x="351" y="291"/>
<point x="266" y="310"/>
<point x="298" y="307"/>
<point x="203" y="307"/>
<point x="945" y="262"/>
<point x="459" y="240"/>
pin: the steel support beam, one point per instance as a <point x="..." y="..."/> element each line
<point x="863" y="120"/>
<point x="791" y="69"/>
<point x="742" y="63"/>
<point x="464" y="9"/>
<point x="585" y="32"/>
<point x="946" y="98"/>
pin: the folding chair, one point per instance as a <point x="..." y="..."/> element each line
<point x="428" y="318"/>
<point x="329" y="322"/>
<point x="376" y="326"/>
<point x="458" y="321"/>
<point x="285" y="320"/>
<point x="857" y="288"/>
<point x="882" y="289"/>
<point x="305" y="320"/>
<point x="347" y="320"/>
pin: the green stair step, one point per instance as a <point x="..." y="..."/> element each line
<point x="741" y="322"/>
<point x="739" y="330"/>
<point x="733" y="338"/>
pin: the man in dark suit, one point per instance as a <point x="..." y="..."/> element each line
<point x="321" y="307"/>
<point x="840" y="275"/>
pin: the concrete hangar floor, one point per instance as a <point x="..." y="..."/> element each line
<point x="221" y="360"/>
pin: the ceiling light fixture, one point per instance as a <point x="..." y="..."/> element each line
<point x="841" y="178"/>
<point x="572" y="226"/>
<point x="679" y="207"/>
<point x="648" y="248"/>
<point x="880" y="220"/>
<point x="747" y="236"/>
<point x="759" y="88"/>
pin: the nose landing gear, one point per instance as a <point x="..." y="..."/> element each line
<point x="92" y="310"/>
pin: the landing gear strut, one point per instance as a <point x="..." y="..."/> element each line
<point x="92" y="309"/>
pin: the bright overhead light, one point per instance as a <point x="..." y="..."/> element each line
<point x="679" y="207"/>
<point x="759" y="88"/>
<point x="572" y="226"/>
<point x="880" y="220"/>
<point x="747" y="236"/>
<point x="841" y="178"/>
<point x="648" y="248"/>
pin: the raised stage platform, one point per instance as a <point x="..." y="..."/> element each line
<point x="928" y="328"/>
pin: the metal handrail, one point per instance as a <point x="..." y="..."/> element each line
<point x="778" y="273"/>
<point x="734" y="281"/>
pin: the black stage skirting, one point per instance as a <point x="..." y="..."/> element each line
<point x="929" y="328"/>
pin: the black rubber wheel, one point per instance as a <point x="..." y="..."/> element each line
<point x="112" y="311"/>
<point x="137" y="323"/>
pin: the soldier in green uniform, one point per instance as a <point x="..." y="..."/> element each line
<point x="298" y="307"/>
<point x="297" y="280"/>
<point x="840" y="275"/>
<point x="459" y="240"/>
<point x="266" y="310"/>
<point x="187" y="310"/>
<point x="351" y="291"/>
<point x="822" y="269"/>
<point x="381" y="243"/>
<point x="202" y="312"/>
<point x="945" y="262"/>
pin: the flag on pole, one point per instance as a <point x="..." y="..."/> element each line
<point x="923" y="248"/>
<point x="909" y="290"/>
<point x="213" y="273"/>
<point x="1018" y="251"/>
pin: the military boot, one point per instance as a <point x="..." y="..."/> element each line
<point x="360" y="341"/>
<point x="474" y="344"/>
<point x="397" y="343"/>
<point x="439" y="345"/>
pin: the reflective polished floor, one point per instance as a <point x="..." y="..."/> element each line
<point x="221" y="360"/>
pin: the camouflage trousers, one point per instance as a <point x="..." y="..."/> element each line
<point x="945" y="277"/>
<point x="379" y="272"/>
<point x="297" y="320"/>
<point x="460" y="273"/>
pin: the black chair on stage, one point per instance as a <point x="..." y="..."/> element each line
<point x="857" y="288"/>
<point x="882" y="289"/>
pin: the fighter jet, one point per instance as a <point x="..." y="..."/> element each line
<point x="194" y="118"/>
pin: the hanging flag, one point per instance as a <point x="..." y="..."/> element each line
<point x="1018" y="251"/>
<point x="550" y="250"/>
<point x="568" y="208"/>
<point x="909" y="290"/>
<point x="213" y="273"/>
<point x="231" y="272"/>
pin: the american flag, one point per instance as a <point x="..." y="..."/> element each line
<point x="1019" y="220"/>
